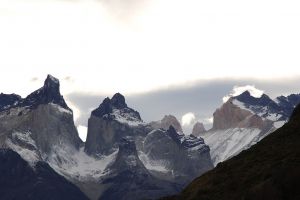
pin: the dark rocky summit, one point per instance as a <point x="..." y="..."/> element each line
<point x="8" y="100"/>
<point x="109" y="123"/>
<point x="49" y="93"/>
<point x="116" y="102"/>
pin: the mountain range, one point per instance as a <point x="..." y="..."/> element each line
<point x="268" y="170"/>
<point x="123" y="156"/>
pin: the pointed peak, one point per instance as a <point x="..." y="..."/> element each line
<point x="246" y="93"/>
<point x="49" y="93"/>
<point x="51" y="82"/>
<point x="248" y="97"/>
<point x="52" y="78"/>
<point x="116" y="108"/>
<point x="118" y="101"/>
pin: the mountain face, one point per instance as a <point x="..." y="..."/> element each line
<point x="41" y="121"/>
<point x="279" y="109"/>
<point x="35" y="128"/>
<point x="166" y="122"/>
<point x="244" y="120"/>
<point x="268" y="170"/>
<point x="20" y="181"/>
<point x="49" y="93"/>
<point x="114" y="162"/>
<point x="8" y="100"/>
<point x="198" y="129"/>
<point x="173" y="150"/>
<point x="128" y="178"/>
<point x="115" y="129"/>
<point x="109" y="123"/>
<point x="123" y="157"/>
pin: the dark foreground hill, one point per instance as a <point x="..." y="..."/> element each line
<point x="268" y="170"/>
<point x="18" y="180"/>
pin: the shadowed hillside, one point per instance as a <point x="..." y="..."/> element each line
<point x="268" y="170"/>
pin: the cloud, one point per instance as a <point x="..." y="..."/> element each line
<point x="201" y="98"/>
<point x="188" y="119"/>
<point x="237" y="90"/>
<point x="82" y="131"/>
<point x="197" y="38"/>
<point x="208" y="120"/>
<point x="124" y="10"/>
<point x="34" y="79"/>
<point x="68" y="78"/>
<point x="82" y="104"/>
<point x="76" y="111"/>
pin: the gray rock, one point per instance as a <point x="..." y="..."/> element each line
<point x="128" y="178"/>
<point x="186" y="156"/>
<point x="233" y="116"/>
<point x="166" y="122"/>
<point x="109" y="123"/>
<point x="49" y="124"/>
<point x="198" y="129"/>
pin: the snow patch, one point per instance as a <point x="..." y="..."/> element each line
<point x="126" y="118"/>
<point x="279" y="124"/>
<point x="227" y="143"/>
<point x="274" y="116"/>
<point x="241" y="105"/>
<point x="25" y="146"/>
<point x="263" y="111"/>
<point x="79" y="165"/>
<point x="153" y="165"/>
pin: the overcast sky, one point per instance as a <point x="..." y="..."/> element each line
<point x="177" y="55"/>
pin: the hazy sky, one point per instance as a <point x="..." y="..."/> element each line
<point x="98" y="47"/>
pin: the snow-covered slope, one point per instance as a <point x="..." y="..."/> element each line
<point x="230" y="142"/>
<point x="78" y="165"/>
<point x="244" y="120"/>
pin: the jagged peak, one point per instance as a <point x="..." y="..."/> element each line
<point x="116" y="108"/>
<point x="51" y="82"/>
<point x="49" y="93"/>
<point x="247" y="98"/>
<point x="186" y="141"/>
<point x="246" y="93"/>
<point x="118" y="101"/>
<point x="9" y="100"/>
